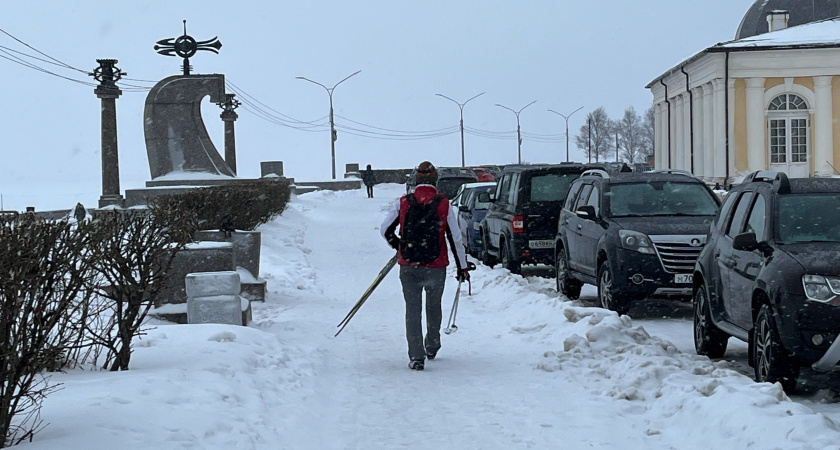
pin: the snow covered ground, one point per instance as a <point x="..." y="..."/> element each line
<point x="526" y="369"/>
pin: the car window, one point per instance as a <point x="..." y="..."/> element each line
<point x="740" y="214"/>
<point x="661" y="198"/>
<point x="723" y="215"/>
<point x="551" y="187"/>
<point x="758" y="219"/>
<point x="809" y="218"/>
<point x="583" y="198"/>
<point x="502" y="189"/>
<point x="514" y="188"/>
<point x="595" y="199"/>
<point x="475" y="204"/>
<point x="572" y="195"/>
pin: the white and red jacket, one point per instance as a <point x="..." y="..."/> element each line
<point x="424" y="193"/>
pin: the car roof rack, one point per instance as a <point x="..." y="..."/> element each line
<point x="672" y="171"/>
<point x="779" y="180"/>
<point x="596" y="173"/>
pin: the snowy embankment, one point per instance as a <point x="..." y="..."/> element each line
<point x="524" y="370"/>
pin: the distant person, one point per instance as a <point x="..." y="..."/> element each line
<point x="426" y="222"/>
<point x="79" y="212"/>
<point x="369" y="178"/>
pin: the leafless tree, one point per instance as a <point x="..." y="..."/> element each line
<point x="630" y="136"/>
<point x="648" y="132"/>
<point x="600" y="139"/>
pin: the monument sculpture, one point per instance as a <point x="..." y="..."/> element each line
<point x="176" y="138"/>
<point x="107" y="74"/>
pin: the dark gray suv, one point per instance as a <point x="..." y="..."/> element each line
<point x="633" y="235"/>
<point x="520" y="224"/>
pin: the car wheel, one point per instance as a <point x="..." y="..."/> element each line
<point x="507" y="259"/>
<point x="566" y="285"/>
<point x="709" y="340"/>
<point x="773" y="363"/>
<point x="486" y="258"/>
<point x="607" y="297"/>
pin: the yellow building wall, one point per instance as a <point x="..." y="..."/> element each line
<point x="772" y="82"/>
<point x="808" y="82"/>
<point x="739" y="139"/>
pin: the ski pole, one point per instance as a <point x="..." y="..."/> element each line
<point x="379" y="277"/>
<point x="450" y="326"/>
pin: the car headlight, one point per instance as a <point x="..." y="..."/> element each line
<point x="821" y="289"/>
<point x="633" y="240"/>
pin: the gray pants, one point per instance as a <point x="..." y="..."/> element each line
<point x="414" y="281"/>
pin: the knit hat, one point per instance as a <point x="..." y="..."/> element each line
<point x="426" y="173"/>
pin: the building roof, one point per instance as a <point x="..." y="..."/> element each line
<point x="821" y="34"/>
<point x="801" y="12"/>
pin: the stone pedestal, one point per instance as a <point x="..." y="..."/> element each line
<point x="195" y="258"/>
<point x="271" y="168"/>
<point x="213" y="297"/>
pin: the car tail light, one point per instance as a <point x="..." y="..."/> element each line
<point x="518" y="224"/>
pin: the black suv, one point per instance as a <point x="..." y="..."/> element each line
<point x="633" y="235"/>
<point x="770" y="276"/>
<point x="449" y="180"/>
<point x="519" y="225"/>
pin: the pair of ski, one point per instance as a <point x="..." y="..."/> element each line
<point x="450" y="327"/>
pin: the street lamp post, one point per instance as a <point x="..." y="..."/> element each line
<point x="333" y="135"/>
<point x="518" y="132"/>
<point x="461" y="107"/>
<point x="566" y="117"/>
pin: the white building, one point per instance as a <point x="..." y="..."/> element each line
<point x="769" y="100"/>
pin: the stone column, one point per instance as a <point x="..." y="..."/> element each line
<point x="229" y="116"/>
<point x="108" y="92"/>
<point x="686" y="159"/>
<point x="699" y="135"/>
<point x="708" y="134"/>
<point x="719" y="100"/>
<point x="756" y="148"/>
<point x="679" y="136"/>
<point x="823" y="153"/>
<point x="659" y="144"/>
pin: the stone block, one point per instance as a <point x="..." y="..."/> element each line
<point x="247" y="313"/>
<point x="246" y="247"/>
<point x="195" y="258"/>
<point x="225" y="309"/>
<point x="209" y="284"/>
<point x="271" y="168"/>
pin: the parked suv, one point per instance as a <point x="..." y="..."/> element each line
<point x="633" y="235"/>
<point x="769" y="276"/>
<point x="520" y="224"/>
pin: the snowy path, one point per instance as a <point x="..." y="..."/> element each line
<point x="526" y="369"/>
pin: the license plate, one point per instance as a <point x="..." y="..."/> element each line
<point x="683" y="278"/>
<point x="541" y="243"/>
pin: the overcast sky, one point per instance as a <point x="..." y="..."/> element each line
<point x="562" y="54"/>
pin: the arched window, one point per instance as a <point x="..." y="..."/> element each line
<point x="787" y="102"/>
<point x="788" y="126"/>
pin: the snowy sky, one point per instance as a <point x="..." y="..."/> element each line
<point x="562" y="54"/>
<point x="526" y="368"/>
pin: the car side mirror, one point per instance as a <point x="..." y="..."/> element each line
<point x="586" y="212"/>
<point x="484" y="197"/>
<point x="747" y="242"/>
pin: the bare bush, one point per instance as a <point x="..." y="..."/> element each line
<point x="132" y="255"/>
<point x="43" y="273"/>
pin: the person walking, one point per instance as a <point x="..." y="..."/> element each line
<point x="79" y="212"/>
<point x="426" y="224"/>
<point x="369" y="178"/>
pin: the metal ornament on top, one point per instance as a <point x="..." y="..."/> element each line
<point x="177" y="141"/>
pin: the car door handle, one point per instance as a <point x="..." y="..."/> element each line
<point x="580" y="227"/>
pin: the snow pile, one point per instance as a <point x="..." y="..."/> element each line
<point x="685" y="396"/>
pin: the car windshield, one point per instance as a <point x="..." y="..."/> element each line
<point x="551" y="187"/>
<point x="662" y="198"/>
<point x="809" y="218"/>
<point x="449" y="186"/>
